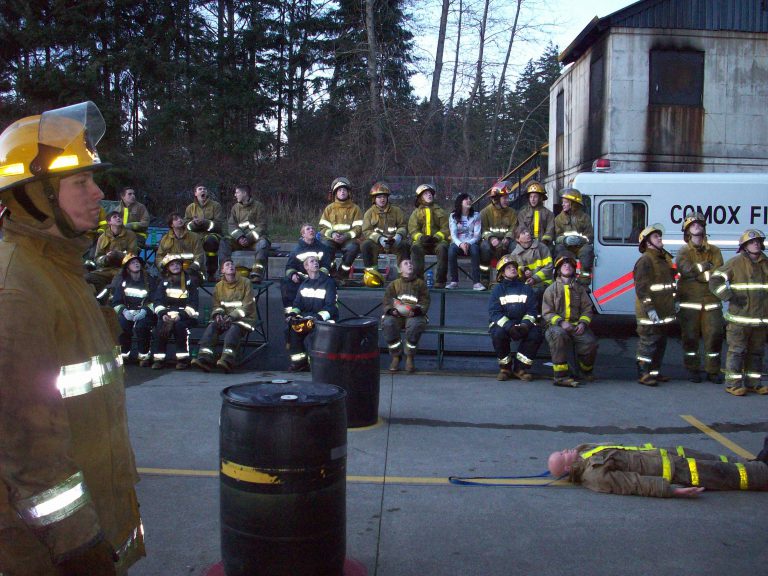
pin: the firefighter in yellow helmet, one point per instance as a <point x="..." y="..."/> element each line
<point x="181" y="242"/>
<point x="406" y="303"/>
<point x="743" y="283"/>
<point x="111" y="247"/>
<point x="384" y="228"/>
<point x="655" y="302"/>
<point x="574" y="233"/>
<point x="341" y="226"/>
<point x="67" y="503"/>
<point x="205" y="216"/>
<point x="535" y="216"/>
<point x="497" y="222"/>
<point x="428" y="229"/>
<point x="701" y="314"/>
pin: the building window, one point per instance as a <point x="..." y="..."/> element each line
<point x="676" y="78"/>
<point x="621" y="222"/>
<point x="560" y="114"/>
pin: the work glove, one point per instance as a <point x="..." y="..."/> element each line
<point x="653" y="316"/>
<point x="677" y="307"/>
<point x="572" y="241"/>
<point x="396" y="240"/>
<point x="98" y="560"/>
<point x="384" y="242"/>
<point x="129" y="315"/>
<point x="139" y="314"/>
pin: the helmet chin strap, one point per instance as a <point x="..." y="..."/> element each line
<point x="62" y="220"/>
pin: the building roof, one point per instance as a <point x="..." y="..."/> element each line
<point x="715" y="15"/>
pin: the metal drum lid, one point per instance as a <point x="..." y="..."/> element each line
<point x="282" y="393"/>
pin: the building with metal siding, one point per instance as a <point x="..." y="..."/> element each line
<point x="664" y="85"/>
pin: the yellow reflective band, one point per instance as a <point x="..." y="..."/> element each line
<point x="597" y="449"/>
<point x="585" y="319"/>
<point x="681" y="451"/>
<point x="12" y="169"/>
<point x="79" y="379"/>
<point x="501" y="321"/>
<point x="342" y="228"/>
<point x="749" y="286"/>
<point x="428" y="223"/>
<point x="666" y="469"/>
<point x="567" y="303"/>
<point x="535" y="223"/>
<point x="357" y="223"/>
<point x="560" y="367"/>
<point x="524" y="359"/>
<point x="694" y="471"/>
<point x="743" y="483"/>
<point x="125" y="215"/>
<point x="68" y="161"/>
<point x="326" y="223"/>
<point x="723" y="458"/>
<point x="55" y="504"/>
<point x="394" y="345"/>
<point x="247" y="473"/>
<point x="176" y="293"/>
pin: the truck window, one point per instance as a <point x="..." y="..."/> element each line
<point x="621" y="221"/>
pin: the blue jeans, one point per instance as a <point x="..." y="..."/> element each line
<point x="453" y="264"/>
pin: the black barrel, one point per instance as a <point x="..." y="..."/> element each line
<point x="283" y="456"/>
<point x="346" y="354"/>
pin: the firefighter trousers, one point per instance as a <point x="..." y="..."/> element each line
<point x="526" y="351"/>
<point x="559" y="341"/>
<point x="371" y="251"/>
<point x="440" y="250"/>
<point x="746" y="345"/>
<point x="697" y="326"/>
<point x="651" y="345"/>
<point x="210" y="338"/>
<point x="143" y="330"/>
<point x="349" y="251"/>
<point x="414" y="327"/>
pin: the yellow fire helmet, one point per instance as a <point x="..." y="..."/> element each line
<point x="128" y="257"/>
<point x="423" y="188"/>
<point x="751" y="234"/>
<point x="503" y="262"/>
<point x="380" y="188"/>
<point x="36" y="151"/>
<point x="536" y="186"/>
<point x="566" y="257"/>
<point x="373" y="278"/>
<point x="168" y="258"/>
<point x="694" y="217"/>
<point x="301" y="325"/>
<point x="572" y="194"/>
<point x="647" y="231"/>
<point x="501" y="188"/>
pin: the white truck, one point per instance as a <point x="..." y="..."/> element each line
<point x="622" y="204"/>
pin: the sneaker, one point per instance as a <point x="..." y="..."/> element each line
<point x="478" y="286"/>
<point x="452" y="285"/>
<point x="716" y="378"/>
<point x="736" y="390"/>
<point x="694" y="376"/>
<point x="647" y="380"/>
<point x="566" y="382"/>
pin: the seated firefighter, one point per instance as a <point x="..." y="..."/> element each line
<point x="567" y="312"/>
<point x="498" y="222"/>
<point x="341" y="226"/>
<point x="131" y="292"/>
<point x="316" y="300"/>
<point x="661" y="472"/>
<point x="574" y="233"/>
<point x="406" y="303"/>
<point x="384" y="229"/>
<point x="534" y="261"/>
<point x="428" y="229"/>
<point x="308" y="245"/>
<point x="233" y="314"/>
<point x="175" y="302"/>
<point x="182" y="243"/>
<point x="247" y="232"/>
<point x="111" y="247"/>
<point x="205" y="216"/>
<point x="512" y="312"/>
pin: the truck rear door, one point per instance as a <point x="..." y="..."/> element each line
<point x="618" y="223"/>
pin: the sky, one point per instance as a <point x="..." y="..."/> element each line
<point x="560" y="20"/>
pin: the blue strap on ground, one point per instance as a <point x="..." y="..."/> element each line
<point x="472" y="481"/>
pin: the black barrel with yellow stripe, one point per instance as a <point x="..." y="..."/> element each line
<point x="283" y="449"/>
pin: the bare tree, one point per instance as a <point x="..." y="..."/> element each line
<point x="373" y="83"/>
<point x="453" y="80"/>
<point x="439" y="56"/>
<point x="478" y="80"/>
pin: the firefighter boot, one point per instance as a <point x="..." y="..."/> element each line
<point x="394" y="364"/>
<point x="504" y="373"/>
<point x="647" y="379"/>
<point x="566" y="382"/>
<point x="257" y="272"/>
<point x="694" y="376"/>
<point x="204" y="362"/>
<point x="226" y="363"/>
<point x="409" y="365"/>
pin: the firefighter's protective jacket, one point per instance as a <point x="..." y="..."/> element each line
<point x="428" y="221"/>
<point x="498" y="222"/>
<point x="342" y="217"/>
<point x="211" y="213"/>
<point x="569" y="302"/>
<point x="537" y="259"/>
<point x="247" y="219"/>
<point x="412" y="291"/>
<point x="66" y="464"/>
<point x="132" y="294"/>
<point x="135" y="217"/>
<point x="650" y="471"/>
<point x="695" y="264"/>
<point x="177" y="293"/>
<point x="744" y="284"/>
<point x="512" y="301"/>
<point x="654" y="287"/>
<point x="236" y="300"/>
<point x="188" y="246"/>
<point x="576" y="223"/>
<point x="124" y="242"/>
<point x="317" y="298"/>
<point x="295" y="263"/>
<point x="386" y="222"/>
<point x="540" y="221"/>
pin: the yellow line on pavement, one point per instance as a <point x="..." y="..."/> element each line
<point x="372" y="479"/>
<point x="732" y="446"/>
